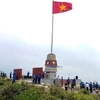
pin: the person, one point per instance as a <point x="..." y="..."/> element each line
<point x="10" y="75"/>
<point x="96" y="85"/>
<point x="91" y="86"/>
<point x="54" y="80"/>
<point x="68" y="81"/>
<point x="82" y="85"/>
<point x="13" y="79"/>
<point x="39" y="79"/>
<point x="28" y="73"/>
<point x="72" y="86"/>
<point x="62" y="81"/>
<point x="34" y="78"/>
<point x="66" y="86"/>
<point x="3" y="74"/>
<point x="87" y="86"/>
<point x="74" y="81"/>
<point x="58" y="81"/>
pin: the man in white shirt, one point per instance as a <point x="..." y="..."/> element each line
<point x="87" y="86"/>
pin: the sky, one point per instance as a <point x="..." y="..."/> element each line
<point x="25" y="37"/>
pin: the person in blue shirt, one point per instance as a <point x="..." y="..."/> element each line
<point x="74" y="81"/>
<point x="68" y="81"/>
<point x="91" y="87"/>
<point x="10" y="74"/>
<point x="14" y="74"/>
<point x="28" y="73"/>
<point x="36" y="79"/>
<point x="39" y="79"/>
<point x="13" y="79"/>
<point x="96" y="85"/>
<point x="83" y="85"/>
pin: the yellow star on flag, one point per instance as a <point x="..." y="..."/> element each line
<point x="62" y="7"/>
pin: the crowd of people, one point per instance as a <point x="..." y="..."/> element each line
<point x="91" y="87"/>
<point x="70" y="82"/>
<point x="3" y="74"/>
<point x="13" y="77"/>
<point x="37" y="79"/>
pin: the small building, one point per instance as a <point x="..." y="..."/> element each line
<point x="18" y="73"/>
<point x="37" y="70"/>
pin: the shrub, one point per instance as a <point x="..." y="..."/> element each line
<point x="1" y="83"/>
<point x="84" y="91"/>
<point x="78" y="96"/>
<point x="9" y="92"/>
<point x="49" y="97"/>
<point x="33" y="93"/>
<point x="58" y="92"/>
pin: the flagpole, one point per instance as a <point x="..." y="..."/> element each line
<point x="52" y="29"/>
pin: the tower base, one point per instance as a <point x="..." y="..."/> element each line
<point x="50" y="75"/>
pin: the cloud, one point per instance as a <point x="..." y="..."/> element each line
<point x="82" y="62"/>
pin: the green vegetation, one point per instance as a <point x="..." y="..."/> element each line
<point x="24" y="91"/>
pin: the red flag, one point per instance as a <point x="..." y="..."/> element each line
<point x="59" y="7"/>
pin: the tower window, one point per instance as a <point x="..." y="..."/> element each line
<point x="53" y="62"/>
<point x="47" y="63"/>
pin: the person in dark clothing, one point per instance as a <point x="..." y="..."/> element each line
<point x="13" y="79"/>
<point x="82" y="85"/>
<point x="3" y="74"/>
<point x="68" y="81"/>
<point x="54" y="80"/>
<point x="72" y="86"/>
<point x="14" y="74"/>
<point x="96" y="85"/>
<point x="10" y="74"/>
<point x="74" y="81"/>
<point x="91" y="86"/>
<point x="36" y="78"/>
<point x="62" y="81"/>
<point x="39" y="79"/>
<point x="66" y="86"/>
<point x="28" y="73"/>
